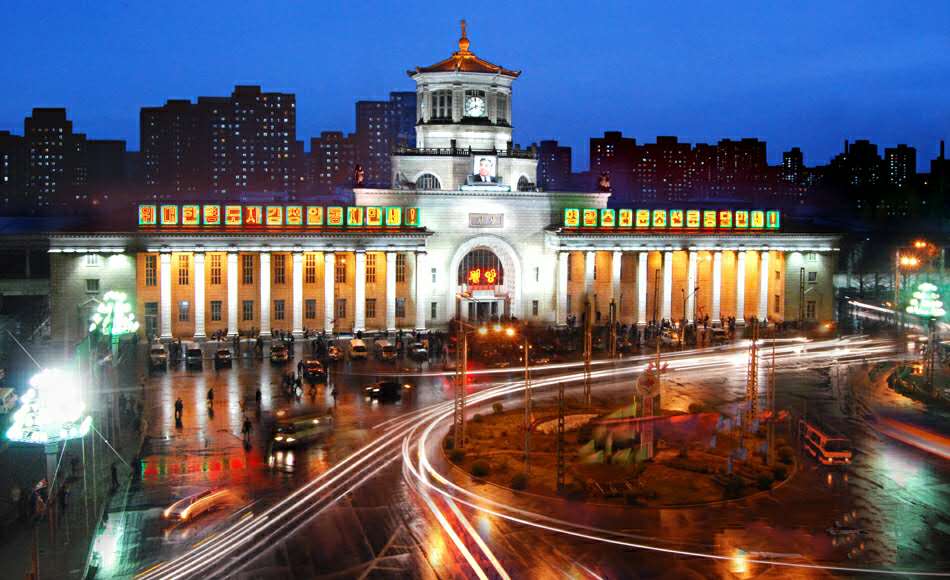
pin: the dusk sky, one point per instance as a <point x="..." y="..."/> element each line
<point x="809" y="74"/>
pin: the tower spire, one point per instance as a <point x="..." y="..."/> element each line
<point x="463" y="41"/>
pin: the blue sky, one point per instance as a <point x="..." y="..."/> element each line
<point x="809" y="74"/>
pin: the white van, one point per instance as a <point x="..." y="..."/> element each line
<point x="358" y="349"/>
<point x="8" y="400"/>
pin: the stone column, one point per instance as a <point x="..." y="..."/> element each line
<point x="298" y="294"/>
<point x="667" y="311"/>
<point x="763" y="285"/>
<point x="422" y="289"/>
<point x="165" y="297"/>
<point x="642" y="282"/>
<point x="561" y="300"/>
<point x="690" y="287"/>
<point x="589" y="264"/>
<point x="200" y="296"/>
<point x="740" y="287"/>
<point x="265" y="294"/>
<point x="615" y="264"/>
<point x="329" y="264"/>
<point x="359" y="298"/>
<point x="716" y="305"/>
<point x="233" y="295"/>
<point x="390" y="291"/>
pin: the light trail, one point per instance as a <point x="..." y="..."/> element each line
<point x="301" y="506"/>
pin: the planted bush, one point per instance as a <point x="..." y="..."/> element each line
<point x="764" y="481"/>
<point x="481" y="468"/>
<point x="498" y="408"/>
<point x="779" y="472"/>
<point x="786" y="454"/>
<point x="457" y="456"/>
<point x="733" y="487"/>
<point x="519" y="481"/>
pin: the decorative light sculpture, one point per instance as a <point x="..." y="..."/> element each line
<point x="114" y="316"/>
<point x="926" y="302"/>
<point x="51" y="410"/>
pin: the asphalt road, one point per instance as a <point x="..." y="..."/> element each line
<point x="358" y="503"/>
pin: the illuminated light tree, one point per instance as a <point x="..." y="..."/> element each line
<point x="114" y="316"/>
<point x="926" y="303"/>
<point x="52" y="410"/>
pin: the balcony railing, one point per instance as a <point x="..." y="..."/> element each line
<point x="465" y="152"/>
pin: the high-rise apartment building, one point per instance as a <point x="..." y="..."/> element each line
<point x="331" y="162"/>
<point x="900" y="165"/>
<point x="554" y="166"/>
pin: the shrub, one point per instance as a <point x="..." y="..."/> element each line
<point x="764" y="481"/>
<point x="779" y="472"/>
<point x="519" y="481"/>
<point x="695" y="408"/>
<point x="497" y="408"/>
<point x="457" y="456"/>
<point x="733" y="487"/>
<point x="786" y="454"/>
<point x="450" y="443"/>
<point x="575" y="490"/>
<point x="477" y="418"/>
<point x="481" y="468"/>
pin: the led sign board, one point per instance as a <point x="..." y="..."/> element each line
<point x="710" y="219"/>
<point x="279" y="216"/>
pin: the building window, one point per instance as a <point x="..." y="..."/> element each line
<point x="339" y="272"/>
<point x="370" y="268"/>
<point x="810" y="310"/>
<point x="92" y="285"/>
<point x="400" y="267"/>
<point x="427" y="181"/>
<point x="151" y="319"/>
<point x="812" y="277"/>
<point x="151" y="270"/>
<point x="279" y="269"/>
<point x="501" y="108"/>
<point x="778" y="303"/>
<point x="340" y="308"/>
<point x="534" y="308"/>
<point x="433" y="310"/>
<point x="400" y="307"/>
<point x="778" y="274"/>
<point x="183" y="308"/>
<point x="215" y="311"/>
<point x="278" y="309"/>
<point x="370" y="308"/>
<point x="433" y="275"/>
<point x="247" y="310"/>
<point x="247" y="269"/>
<point x="183" y="272"/>
<point x="442" y="104"/>
<point x="310" y="269"/>
<point x="215" y="269"/>
<point x="310" y="309"/>
<point x="93" y="260"/>
<point x="811" y="257"/>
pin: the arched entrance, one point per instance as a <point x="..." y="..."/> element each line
<point x="487" y="276"/>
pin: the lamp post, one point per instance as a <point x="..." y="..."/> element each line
<point x="926" y="303"/>
<point x="685" y="298"/>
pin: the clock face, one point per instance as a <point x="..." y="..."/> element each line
<point x="475" y="107"/>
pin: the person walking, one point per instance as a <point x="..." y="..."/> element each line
<point x="246" y="430"/>
<point x="113" y="470"/>
<point x="179" y="409"/>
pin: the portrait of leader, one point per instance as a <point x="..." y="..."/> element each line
<point x="484" y="170"/>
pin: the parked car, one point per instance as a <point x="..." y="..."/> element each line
<point x="418" y="352"/>
<point x="279" y="354"/>
<point x="188" y="508"/>
<point x="358" y="349"/>
<point x="334" y="353"/>
<point x="719" y="335"/>
<point x="222" y="358"/>
<point x="194" y="358"/>
<point x="158" y="356"/>
<point x="313" y="370"/>
<point x="386" y="390"/>
<point x="385" y="351"/>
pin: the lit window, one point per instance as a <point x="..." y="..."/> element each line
<point x="278" y="309"/>
<point x="370" y="308"/>
<point x="183" y="311"/>
<point x="247" y="310"/>
<point x="310" y="309"/>
<point x="92" y="285"/>
<point x="215" y="311"/>
<point x="370" y="268"/>
<point x="93" y="260"/>
<point x="400" y="267"/>
<point x="400" y="307"/>
<point x="183" y="271"/>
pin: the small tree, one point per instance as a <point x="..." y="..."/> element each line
<point x="498" y="408"/>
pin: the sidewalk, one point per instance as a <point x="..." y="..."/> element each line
<point x="63" y="548"/>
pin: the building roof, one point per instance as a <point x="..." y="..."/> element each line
<point x="464" y="60"/>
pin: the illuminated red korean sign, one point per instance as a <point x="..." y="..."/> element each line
<point x="482" y="277"/>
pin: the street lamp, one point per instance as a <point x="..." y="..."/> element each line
<point x="685" y="298"/>
<point x="926" y="303"/>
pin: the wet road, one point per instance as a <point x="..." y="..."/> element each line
<point x="377" y="519"/>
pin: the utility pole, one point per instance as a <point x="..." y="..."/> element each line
<point x="560" y="437"/>
<point x="527" y="402"/>
<point x="752" y="380"/>
<point x="770" y="401"/>
<point x="461" y="361"/>
<point x="588" y="349"/>
<point x="612" y="332"/>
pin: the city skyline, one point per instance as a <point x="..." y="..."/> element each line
<point x="644" y="94"/>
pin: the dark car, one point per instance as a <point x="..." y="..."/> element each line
<point x="313" y="370"/>
<point x="334" y="353"/>
<point x="279" y="354"/>
<point x="418" y="352"/>
<point x="193" y="358"/>
<point x="222" y="358"/>
<point x="386" y="390"/>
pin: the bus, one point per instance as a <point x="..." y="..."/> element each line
<point x="827" y="447"/>
<point x="300" y="430"/>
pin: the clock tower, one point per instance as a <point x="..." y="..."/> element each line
<point x="463" y="127"/>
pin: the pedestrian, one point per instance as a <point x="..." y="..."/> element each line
<point x="246" y="430"/>
<point x="300" y="367"/>
<point x="115" y="476"/>
<point x="257" y="396"/>
<point x="179" y="409"/>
